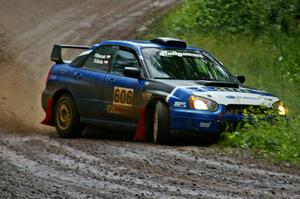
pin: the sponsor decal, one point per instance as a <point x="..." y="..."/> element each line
<point x="123" y="96"/>
<point x="98" y="61"/>
<point x="205" y="124"/>
<point x="224" y="89"/>
<point x="99" y="56"/>
<point x="240" y="90"/>
<point x="168" y="53"/>
<point x="180" y="104"/>
<point x="122" y="101"/>
<point x="101" y="59"/>
<point x="230" y="97"/>
<point x="223" y="95"/>
<point x="119" y="109"/>
<point x="249" y="98"/>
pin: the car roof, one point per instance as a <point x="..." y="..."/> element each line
<point x="139" y="44"/>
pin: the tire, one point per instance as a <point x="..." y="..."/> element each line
<point x="66" y="117"/>
<point x="161" y="123"/>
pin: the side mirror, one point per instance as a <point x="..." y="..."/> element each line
<point x="132" y="72"/>
<point x="241" y="78"/>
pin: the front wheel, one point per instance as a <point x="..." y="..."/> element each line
<point x="66" y="120"/>
<point x="161" y="123"/>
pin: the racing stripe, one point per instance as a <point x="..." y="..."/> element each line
<point x="175" y="89"/>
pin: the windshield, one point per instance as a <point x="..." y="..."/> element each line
<point x="184" y="64"/>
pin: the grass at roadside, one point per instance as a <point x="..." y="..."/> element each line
<point x="270" y="62"/>
<point x="280" y="141"/>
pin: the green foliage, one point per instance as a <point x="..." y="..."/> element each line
<point x="269" y="63"/>
<point x="280" y="141"/>
<point x="232" y="16"/>
<point x="257" y="38"/>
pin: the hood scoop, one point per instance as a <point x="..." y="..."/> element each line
<point x="218" y="84"/>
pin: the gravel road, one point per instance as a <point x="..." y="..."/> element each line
<point x="35" y="163"/>
<point x="44" y="166"/>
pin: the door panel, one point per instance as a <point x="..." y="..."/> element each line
<point x="124" y="98"/>
<point x="89" y="80"/>
<point x="87" y="90"/>
<point x="123" y="95"/>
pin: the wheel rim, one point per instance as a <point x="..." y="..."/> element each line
<point x="155" y="127"/>
<point x="64" y="114"/>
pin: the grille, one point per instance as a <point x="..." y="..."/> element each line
<point x="246" y="109"/>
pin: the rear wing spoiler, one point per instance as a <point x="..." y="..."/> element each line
<point x="56" y="54"/>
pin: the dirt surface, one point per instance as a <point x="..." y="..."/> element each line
<point x="35" y="163"/>
<point x="28" y="30"/>
<point x="40" y="166"/>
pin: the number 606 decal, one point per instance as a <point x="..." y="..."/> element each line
<point x="123" y="96"/>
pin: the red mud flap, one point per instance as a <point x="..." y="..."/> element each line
<point x="48" y="118"/>
<point x="140" y="129"/>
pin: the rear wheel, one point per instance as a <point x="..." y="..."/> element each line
<point x="66" y="120"/>
<point x="161" y="123"/>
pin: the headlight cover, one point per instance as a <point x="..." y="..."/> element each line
<point x="200" y="103"/>
<point x="279" y="108"/>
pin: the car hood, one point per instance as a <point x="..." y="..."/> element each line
<point x="221" y="92"/>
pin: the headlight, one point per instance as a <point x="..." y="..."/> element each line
<point x="279" y="108"/>
<point x="201" y="103"/>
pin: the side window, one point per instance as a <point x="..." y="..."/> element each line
<point x="124" y="59"/>
<point x="78" y="61"/>
<point x="100" y="59"/>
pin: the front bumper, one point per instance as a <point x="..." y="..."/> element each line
<point x="203" y="121"/>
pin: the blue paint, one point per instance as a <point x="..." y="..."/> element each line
<point x="92" y="92"/>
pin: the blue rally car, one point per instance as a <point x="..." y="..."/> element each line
<point x="150" y="87"/>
